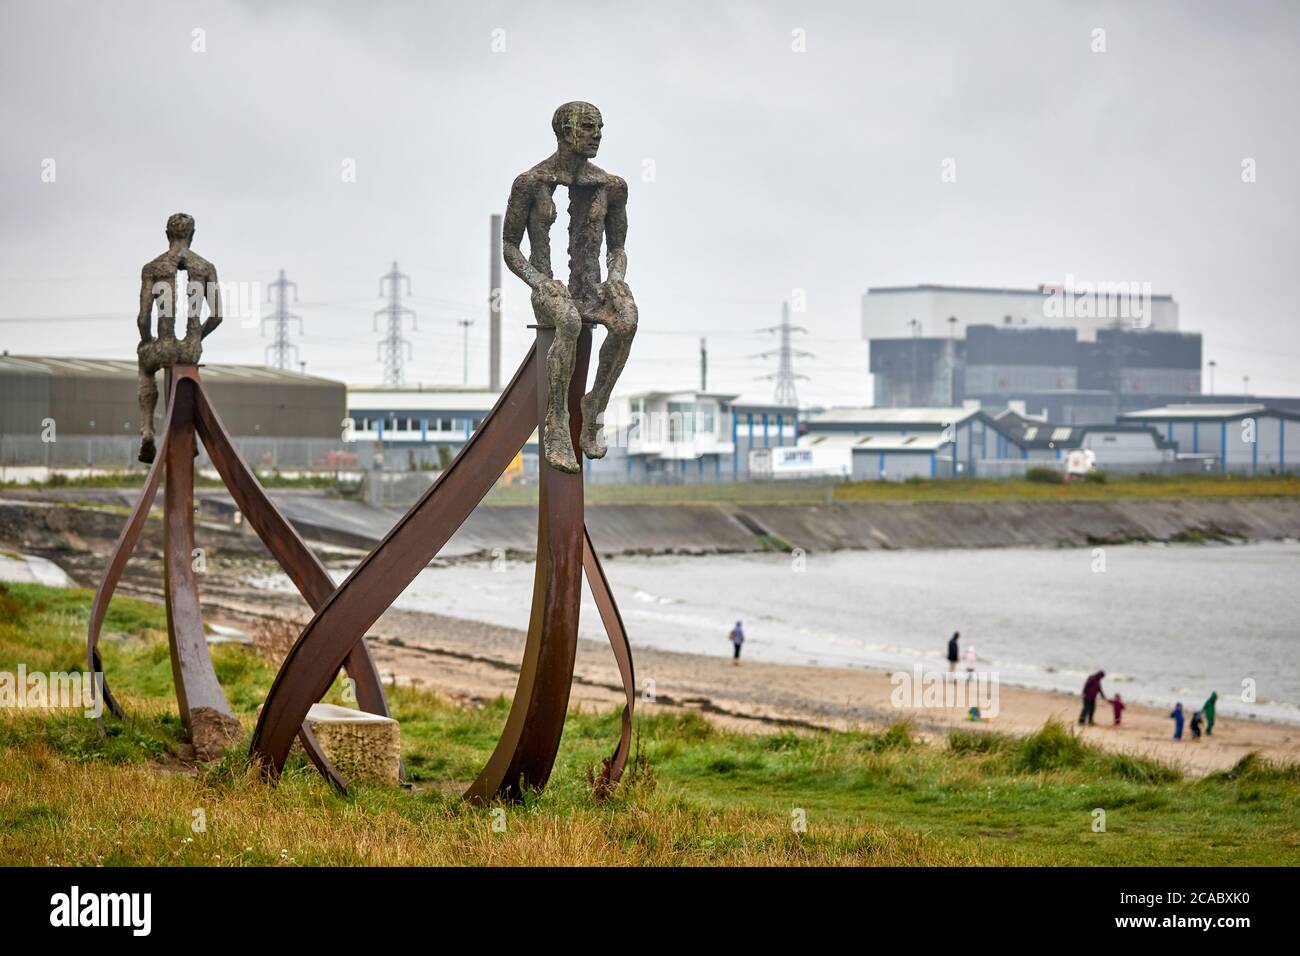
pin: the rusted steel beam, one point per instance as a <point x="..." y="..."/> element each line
<point x="195" y="679"/>
<point x="298" y="561"/>
<point x="526" y="751"/>
<point x="617" y="633"/>
<point x="528" y="746"/>
<point x="285" y="544"/>
<point x="376" y="582"/>
<point x="121" y="552"/>
<point x="220" y="448"/>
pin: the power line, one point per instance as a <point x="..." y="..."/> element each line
<point x="277" y="353"/>
<point x="390" y="351"/>
<point x="784" y="374"/>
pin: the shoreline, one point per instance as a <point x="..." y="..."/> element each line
<point x="472" y="663"/>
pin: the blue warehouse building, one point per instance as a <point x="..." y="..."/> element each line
<point x="1251" y="438"/>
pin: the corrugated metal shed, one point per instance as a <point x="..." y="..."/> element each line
<point x="99" y="396"/>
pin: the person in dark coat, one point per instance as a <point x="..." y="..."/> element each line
<point x="1091" y="691"/>
<point x="737" y="638"/>
<point x="953" y="656"/>
<point x="1196" y="727"/>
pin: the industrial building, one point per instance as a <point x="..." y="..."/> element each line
<point x="689" y="436"/>
<point x="1117" y="447"/>
<point x="1251" y="438"/>
<point x="418" y="428"/>
<point x="277" y="417"/>
<point x="942" y="311"/>
<point x="899" y="443"/>
<point x="99" y="397"/>
<point x="946" y="346"/>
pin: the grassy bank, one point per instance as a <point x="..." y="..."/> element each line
<point x="936" y="489"/>
<point x="695" y="795"/>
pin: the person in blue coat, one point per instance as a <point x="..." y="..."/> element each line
<point x="1177" y="715"/>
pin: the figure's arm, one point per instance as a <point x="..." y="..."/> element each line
<point x="616" y="230"/>
<point x="512" y="233"/>
<point x="211" y="292"/>
<point x="144" y="317"/>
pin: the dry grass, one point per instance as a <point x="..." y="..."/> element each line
<point x="695" y="795"/>
<point x="59" y="813"/>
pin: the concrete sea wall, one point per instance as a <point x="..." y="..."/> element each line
<point x="726" y="528"/>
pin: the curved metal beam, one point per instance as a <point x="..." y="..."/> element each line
<point x="297" y="560"/>
<point x="126" y="542"/>
<point x="309" y="667"/>
<point x="286" y="546"/>
<point x="195" y="678"/>
<point x="617" y="633"/>
<point x="525" y="754"/>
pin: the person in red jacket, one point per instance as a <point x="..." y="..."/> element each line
<point x="1117" y="705"/>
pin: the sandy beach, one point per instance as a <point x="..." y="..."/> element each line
<point x="472" y="662"/>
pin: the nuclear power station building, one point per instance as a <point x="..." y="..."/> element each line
<point x="1079" y="356"/>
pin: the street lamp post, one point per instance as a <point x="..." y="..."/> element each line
<point x="465" y="324"/>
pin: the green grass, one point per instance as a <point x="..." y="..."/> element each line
<point x="1111" y="487"/>
<point x="1099" y="487"/>
<point x="695" y="794"/>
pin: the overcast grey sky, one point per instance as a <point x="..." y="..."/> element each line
<point x="773" y="169"/>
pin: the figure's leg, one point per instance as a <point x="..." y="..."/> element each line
<point x="619" y="316"/>
<point x="148" y="403"/>
<point x="557" y="439"/>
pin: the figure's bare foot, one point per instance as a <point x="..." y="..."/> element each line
<point x="147" y="450"/>
<point x="592" y="439"/>
<point x="558" y="445"/>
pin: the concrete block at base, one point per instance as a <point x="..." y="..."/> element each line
<point x="361" y="746"/>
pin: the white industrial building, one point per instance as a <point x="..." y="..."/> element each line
<point x="894" y="444"/>
<point x="688" y="435"/>
<point x="924" y="311"/>
<point x="1121" y="447"/>
<point x="425" y="427"/>
<point x="1242" y="438"/>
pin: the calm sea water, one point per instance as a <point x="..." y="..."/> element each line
<point x="1166" y="622"/>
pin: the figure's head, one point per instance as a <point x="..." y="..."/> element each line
<point x="577" y="125"/>
<point x="180" y="227"/>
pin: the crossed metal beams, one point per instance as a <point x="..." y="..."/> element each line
<point x="335" y="636"/>
<point x="526" y="752"/>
